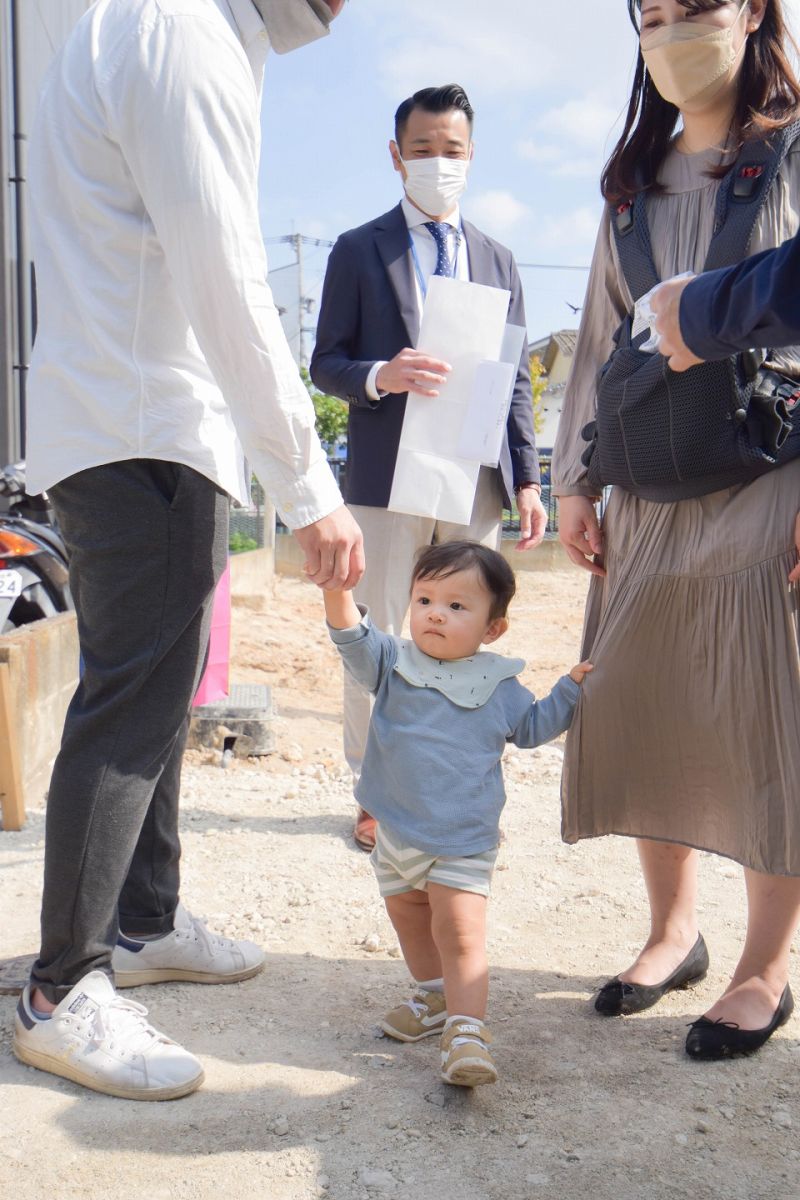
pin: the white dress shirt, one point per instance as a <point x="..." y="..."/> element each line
<point x="426" y="253"/>
<point x="158" y="336"/>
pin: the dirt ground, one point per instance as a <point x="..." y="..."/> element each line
<point x="303" y="1097"/>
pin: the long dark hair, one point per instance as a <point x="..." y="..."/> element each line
<point x="768" y="98"/>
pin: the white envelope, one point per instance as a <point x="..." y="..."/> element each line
<point x="485" y="420"/>
<point x="463" y="324"/>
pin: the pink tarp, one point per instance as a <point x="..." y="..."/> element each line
<point x="215" y="684"/>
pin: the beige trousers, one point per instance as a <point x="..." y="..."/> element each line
<point x="390" y="542"/>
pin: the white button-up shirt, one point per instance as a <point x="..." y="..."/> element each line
<point x="158" y="336"/>
<point x="425" y="251"/>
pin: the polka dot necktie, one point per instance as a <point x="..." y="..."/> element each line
<point x="439" y="231"/>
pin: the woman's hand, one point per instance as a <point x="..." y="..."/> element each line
<point x="579" y="531"/>
<point x="794" y="574"/>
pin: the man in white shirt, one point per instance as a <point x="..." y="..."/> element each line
<point x="158" y="344"/>
<point x="369" y="321"/>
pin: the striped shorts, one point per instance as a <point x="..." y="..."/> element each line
<point x="401" y="868"/>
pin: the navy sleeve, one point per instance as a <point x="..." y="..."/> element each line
<point x="545" y="719"/>
<point x="335" y="368"/>
<point x="755" y="303"/>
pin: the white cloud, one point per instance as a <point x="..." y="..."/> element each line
<point x="497" y="211"/>
<point x="539" y="152"/>
<point x="584" y="122"/>
<point x="500" y="49"/>
<point x="572" y="139"/>
<point x="572" y="233"/>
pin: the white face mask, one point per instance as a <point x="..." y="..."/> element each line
<point x="435" y="184"/>
<point x="294" y="23"/>
<point x="691" y="62"/>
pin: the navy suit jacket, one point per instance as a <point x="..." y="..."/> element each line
<point x="368" y="313"/>
<point x="755" y="303"/>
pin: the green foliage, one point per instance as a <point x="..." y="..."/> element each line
<point x="331" y="412"/>
<point x="239" y="542"/>
<point x="538" y="386"/>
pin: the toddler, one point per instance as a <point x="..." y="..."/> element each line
<point x="444" y="711"/>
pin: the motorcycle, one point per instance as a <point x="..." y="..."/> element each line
<point x="34" y="579"/>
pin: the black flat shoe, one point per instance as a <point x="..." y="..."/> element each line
<point x="618" y="999"/>
<point x="723" y="1039"/>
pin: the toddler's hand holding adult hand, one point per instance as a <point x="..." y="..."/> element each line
<point x="666" y="305"/>
<point x="579" y="531"/>
<point x="412" y="371"/>
<point x="579" y="673"/>
<point x="334" y="550"/>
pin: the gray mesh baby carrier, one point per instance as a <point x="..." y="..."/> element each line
<point x="668" y="436"/>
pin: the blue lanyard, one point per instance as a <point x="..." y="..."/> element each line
<point x="423" y="287"/>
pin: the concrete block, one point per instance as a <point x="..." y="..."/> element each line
<point x="239" y="725"/>
<point x="43" y="667"/>
<point x="252" y="575"/>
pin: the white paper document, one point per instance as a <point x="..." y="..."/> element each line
<point x="465" y="325"/>
<point x="485" y="421"/>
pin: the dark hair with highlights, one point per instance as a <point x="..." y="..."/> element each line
<point x="433" y="100"/>
<point x="768" y="99"/>
<point x="447" y="558"/>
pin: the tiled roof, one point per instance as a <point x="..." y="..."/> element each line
<point x="566" y="340"/>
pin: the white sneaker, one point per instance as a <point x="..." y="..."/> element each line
<point x="96" y="1038"/>
<point x="190" y="953"/>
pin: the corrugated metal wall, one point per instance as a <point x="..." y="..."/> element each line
<point x="42" y="27"/>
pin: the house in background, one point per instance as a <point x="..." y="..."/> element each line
<point x="556" y="353"/>
<point x="31" y="34"/>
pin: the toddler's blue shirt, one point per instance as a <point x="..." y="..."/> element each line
<point x="432" y="770"/>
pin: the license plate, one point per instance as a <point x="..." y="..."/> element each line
<point x="10" y="585"/>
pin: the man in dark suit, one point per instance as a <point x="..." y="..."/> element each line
<point x="369" y="322"/>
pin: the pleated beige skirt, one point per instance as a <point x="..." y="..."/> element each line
<point x="689" y="728"/>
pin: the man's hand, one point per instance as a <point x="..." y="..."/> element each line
<point x="794" y="574"/>
<point x="412" y="371"/>
<point x="666" y="304"/>
<point x="334" y="550"/>
<point x="579" y="531"/>
<point x="532" y="518"/>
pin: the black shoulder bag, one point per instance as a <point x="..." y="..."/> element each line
<point x="669" y="436"/>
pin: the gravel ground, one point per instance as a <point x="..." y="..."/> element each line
<point x="303" y="1097"/>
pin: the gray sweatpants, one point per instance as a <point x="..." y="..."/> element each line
<point x="147" y="542"/>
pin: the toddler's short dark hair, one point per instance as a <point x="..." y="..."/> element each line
<point x="446" y="558"/>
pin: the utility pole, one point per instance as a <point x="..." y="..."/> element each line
<point x="9" y="412"/>
<point x="305" y="304"/>
<point x="19" y="180"/>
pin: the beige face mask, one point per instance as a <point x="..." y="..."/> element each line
<point x="691" y="62"/>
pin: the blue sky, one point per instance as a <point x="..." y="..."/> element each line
<point x="548" y="81"/>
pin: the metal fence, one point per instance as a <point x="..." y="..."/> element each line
<point x="249" y="523"/>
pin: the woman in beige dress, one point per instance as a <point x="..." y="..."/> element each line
<point x="687" y="736"/>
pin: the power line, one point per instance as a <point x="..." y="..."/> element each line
<point x="294" y="238"/>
